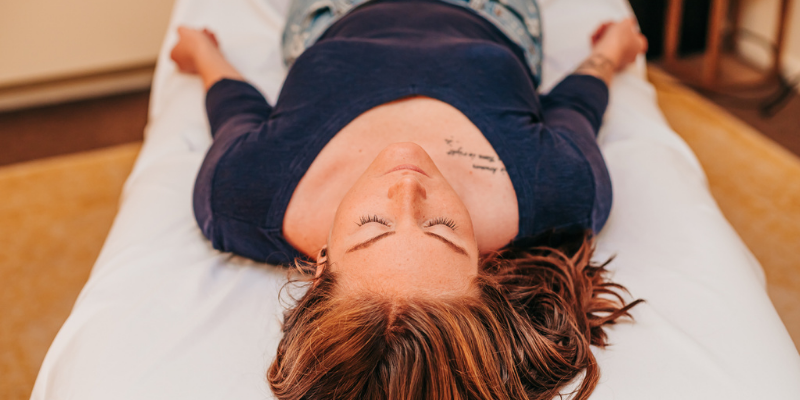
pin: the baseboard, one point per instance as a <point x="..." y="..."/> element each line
<point x="76" y="88"/>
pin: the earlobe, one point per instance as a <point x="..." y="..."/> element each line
<point x="320" y="269"/>
<point x="322" y="261"/>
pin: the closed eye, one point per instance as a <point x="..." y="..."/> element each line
<point x="372" y="218"/>
<point x="441" y="221"/>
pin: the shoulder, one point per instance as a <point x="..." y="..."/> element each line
<point x="569" y="187"/>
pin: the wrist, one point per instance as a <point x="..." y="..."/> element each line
<point x="606" y="57"/>
<point x="598" y="65"/>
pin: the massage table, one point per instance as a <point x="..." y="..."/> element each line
<point x="165" y="316"/>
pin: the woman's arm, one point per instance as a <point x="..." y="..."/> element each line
<point x="228" y="95"/>
<point x="572" y="114"/>
<point x="615" y="45"/>
<point x="236" y="111"/>
<point x="197" y="52"/>
<point x="578" y="103"/>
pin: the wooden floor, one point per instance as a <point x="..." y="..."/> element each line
<point x="783" y="128"/>
<point x="55" y="214"/>
<point x="743" y="89"/>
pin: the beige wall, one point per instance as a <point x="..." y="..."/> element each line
<point x="761" y="16"/>
<point x="42" y="40"/>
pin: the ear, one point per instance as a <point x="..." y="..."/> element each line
<point x="322" y="260"/>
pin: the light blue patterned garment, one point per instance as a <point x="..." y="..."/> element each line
<point x="519" y="20"/>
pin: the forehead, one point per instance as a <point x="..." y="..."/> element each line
<point x="424" y="267"/>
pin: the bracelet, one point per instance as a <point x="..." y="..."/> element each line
<point x="598" y="62"/>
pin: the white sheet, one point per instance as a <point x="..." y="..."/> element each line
<point x="164" y="316"/>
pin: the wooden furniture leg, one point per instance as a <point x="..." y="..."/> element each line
<point x="716" y="23"/>
<point x="729" y="46"/>
<point x="780" y="35"/>
<point x="672" y="31"/>
<point x="718" y="18"/>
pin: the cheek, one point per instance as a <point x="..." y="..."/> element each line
<point x="454" y="205"/>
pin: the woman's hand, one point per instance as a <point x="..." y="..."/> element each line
<point x="615" y="45"/>
<point x="620" y="42"/>
<point x="197" y="52"/>
<point x="191" y="42"/>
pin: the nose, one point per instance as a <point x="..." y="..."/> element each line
<point x="407" y="195"/>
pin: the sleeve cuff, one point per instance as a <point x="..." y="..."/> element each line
<point x="585" y="94"/>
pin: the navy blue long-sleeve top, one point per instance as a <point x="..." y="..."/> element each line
<point x="378" y="53"/>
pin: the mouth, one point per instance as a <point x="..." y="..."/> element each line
<point x="408" y="167"/>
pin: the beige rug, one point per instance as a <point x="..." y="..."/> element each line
<point x="55" y="214"/>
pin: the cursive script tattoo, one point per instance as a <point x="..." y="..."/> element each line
<point x="485" y="168"/>
<point x="483" y="162"/>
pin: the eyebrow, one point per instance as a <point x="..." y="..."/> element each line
<point x="364" y="245"/>
<point x="456" y="248"/>
<point x="370" y="242"/>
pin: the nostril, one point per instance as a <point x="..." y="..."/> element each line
<point x="423" y="192"/>
<point x="408" y="186"/>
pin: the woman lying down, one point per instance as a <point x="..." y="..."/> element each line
<point x="410" y="170"/>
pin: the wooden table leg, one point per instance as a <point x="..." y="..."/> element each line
<point x="736" y="24"/>
<point x="672" y="31"/>
<point x="780" y="36"/>
<point x="716" y="23"/>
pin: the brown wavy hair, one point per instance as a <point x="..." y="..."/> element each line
<point x="523" y="334"/>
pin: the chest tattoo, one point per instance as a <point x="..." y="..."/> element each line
<point x="489" y="163"/>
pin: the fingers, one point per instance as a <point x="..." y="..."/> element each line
<point x="641" y="40"/>
<point x="600" y="31"/>
<point x="184" y="30"/>
<point x="604" y="27"/>
<point x="211" y="36"/>
<point x="183" y="52"/>
<point x="631" y="21"/>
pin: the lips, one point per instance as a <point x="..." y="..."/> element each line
<point x="408" y="167"/>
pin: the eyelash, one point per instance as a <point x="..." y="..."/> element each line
<point x="436" y="221"/>
<point x="442" y="221"/>
<point x="372" y="218"/>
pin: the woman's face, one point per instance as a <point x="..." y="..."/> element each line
<point x="402" y="230"/>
